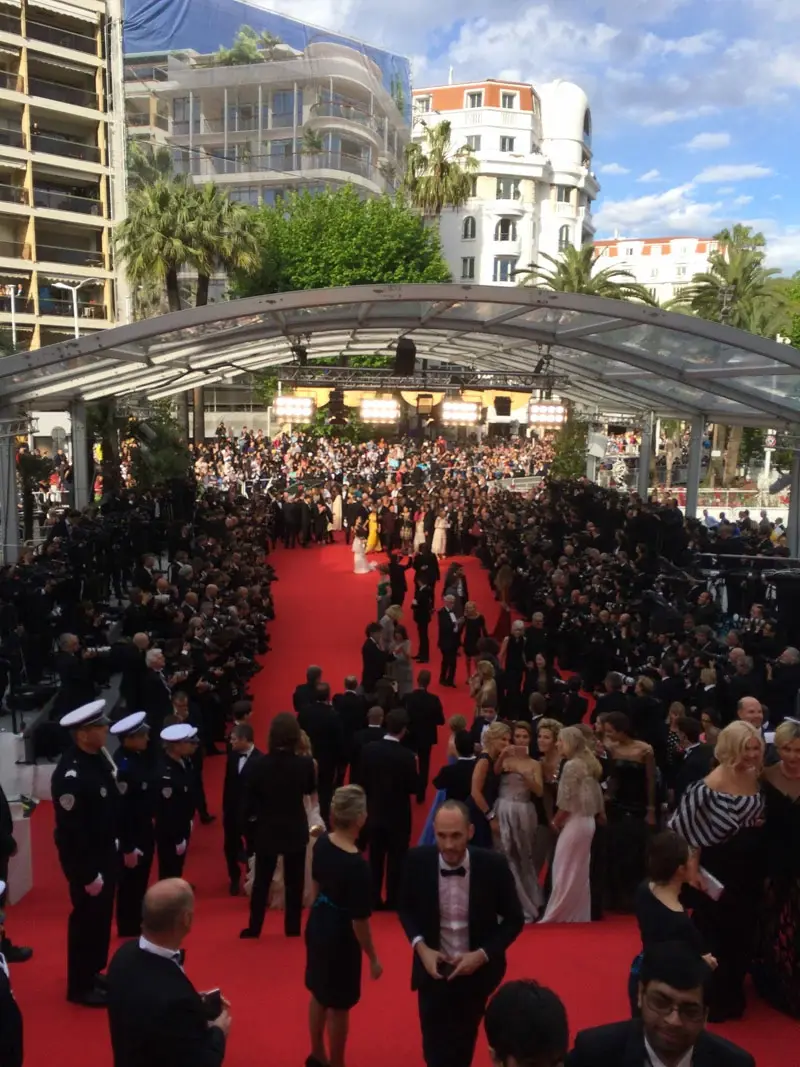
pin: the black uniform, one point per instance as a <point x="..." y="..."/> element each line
<point x="86" y="800"/>
<point x="176" y="796"/>
<point x="136" y="785"/>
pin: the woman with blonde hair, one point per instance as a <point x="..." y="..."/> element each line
<point x="338" y="928"/>
<point x="482" y="684"/>
<point x="580" y="801"/>
<point x="485" y="783"/>
<point x="722" y="818"/>
<point x="474" y="631"/>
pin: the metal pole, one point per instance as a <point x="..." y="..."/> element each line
<point x="75" y="289"/>
<point x="793" y="523"/>
<point x="695" y="458"/>
<point x="80" y="455"/>
<point x="13" y="290"/>
<point x="9" y="499"/>
<point x="645" y="449"/>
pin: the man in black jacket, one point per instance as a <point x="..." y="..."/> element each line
<point x="697" y="758"/>
<point x="397" y="578"/>
<point x="374" y="659"/>
<point x="11" y="1048"/>
<point x="373" y="731"/>
<point x="136" y="779"/>
<point x="389" y="776"/>
<point x="155" y="1015"/>
<point x="351" y="707"/>
<point x="8" y="848"/>
<point x="306" y="693"/>
<point x="425" y="716"/>
<point x="324" y="730"/>
<point x="241" y="757"/>
<point x="422" y="610"/>
<point x="456" y="778"/>
<point x="456" y="967"/>
<point x="672" y="1026"/>
<point x="449" y="641"/>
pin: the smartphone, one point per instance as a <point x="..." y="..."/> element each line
<point x="212" y="1002"/>
<point x="445" y="968"/>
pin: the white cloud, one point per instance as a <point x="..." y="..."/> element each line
<point x="733" y="172"/>
<point x="668" y="116"/>
<point x="706" y="142"/>
<point x="699" y="44"/>
<point x="743" y="201"/>
<point x="672" y="211"/>
<point x="726" y="190"/>
<point x="614" y="168"/>
<point x="650" y="176"/>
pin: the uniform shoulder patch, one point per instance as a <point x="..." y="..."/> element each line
<point x="103" y="791"/>
<point x="71" y="774"/>
<point x="122" y="787"/>
<point x="166" y="792"/>
<point x="67" y="801"/>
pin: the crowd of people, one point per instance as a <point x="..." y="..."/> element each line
<point x="633" y="746"/>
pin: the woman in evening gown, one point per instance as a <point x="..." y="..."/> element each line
<point x="515" y="813"/>
<point x="439" y="543"/>
<point x="360" y="564"/>
<point x="474" y="630"/>
<point x="454" y="724"/>
<point x="486" y="785"/>
<point x="401" y="671"/>
<point x="373" y="532"/>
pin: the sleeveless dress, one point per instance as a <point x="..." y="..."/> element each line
<point x="517" y="822"/>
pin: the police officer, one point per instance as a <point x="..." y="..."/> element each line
<point x="85" y="801"/>
<point x="176" y="797"/>
<point x="135" y="782"/>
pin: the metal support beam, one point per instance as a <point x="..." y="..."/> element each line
<point x="695" y="465"/>
<point x="199" y="414"/>
<point x="9" y="496"/>
<point x="793" y="526"/>
<point x="80" y="456"/>
<point x="591" y="468"/>
<point x="645" y="452"/>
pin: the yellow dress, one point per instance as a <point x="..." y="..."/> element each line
<point x="373" y="538"/>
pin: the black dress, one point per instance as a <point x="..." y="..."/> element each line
<point x="627" y="833"/>
<point x="333" y="954"/>
<point x="658" y="923"/>
<point x="474" y="630"/>
<point x="776" y="967"/>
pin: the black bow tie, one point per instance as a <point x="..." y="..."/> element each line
<point x="453" y="872"/>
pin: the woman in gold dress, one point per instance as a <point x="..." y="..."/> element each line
<point x="373" y="534"/>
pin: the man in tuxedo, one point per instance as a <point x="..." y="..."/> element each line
<point x="422" y="611"/>
<point x="697" y="758"/>
<point x="425" y="716"/>
<point x="460" y="911"/>
<point x="75" y="675"/>
<point x="373" y="731"/>
<point x="389" y="775"/>
<point x="426" y="565"/>
<point x="306" y="693"/>
<point x="324" y="730"/>
<point x="397" y="578"/>
<point x="374" y="658"/>
<point x="351" y="707"/>
<point x="449" y="641"/>
<point x="242" y="755"/>
<point x="156" y="694"/>
<point x="671" y="1031"/>
<point x="155" y="1015"/>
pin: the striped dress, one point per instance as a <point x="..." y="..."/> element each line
<point x="705" y="817"/>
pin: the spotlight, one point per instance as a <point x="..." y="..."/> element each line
<point x="294" y="408"/>
<point x="461" y="413"/>
<point x="380" y="411"/>
<point x="540" y="414"/>
<point x="424" y="404"/>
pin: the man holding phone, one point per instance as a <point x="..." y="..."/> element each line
<point x="155" y="1014"/>
<point x="460" y="911"/>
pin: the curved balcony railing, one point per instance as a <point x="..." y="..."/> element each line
<point x="332" y="110"/>
<point x="293" y="162"/>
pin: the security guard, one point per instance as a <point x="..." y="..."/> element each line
<point x="85" y="800"/>
<point x="135" y="782"/>
<point x="176" y="797"/>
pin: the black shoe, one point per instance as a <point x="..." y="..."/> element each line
<point x="312" y="1061"/>
<point x="248" y="934"/>
<point x="206" y="819"/>
<point x="235" y="889"/>
<point x="101" y="983"/>
<point x="92" y="998"/>
<point x="17" y="953"/>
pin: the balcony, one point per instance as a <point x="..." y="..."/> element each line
<point x="61" y="200"/>
<point x="10" y="23"/>
<point x="77" y="257"/>
<point x="66" y="94"/>
<point x="56" y="145"/>
<point x="14" y="250"/>
<point x="12" y="138"/>
<point x="79" y="42"/>
<point x="20" y="305"/>
<point x="57" y="306"/>
<point x="13" y="194"/>
<point x="145" y="73"/>
<point x="11" y="80"/>
<point x="330" y="110"/>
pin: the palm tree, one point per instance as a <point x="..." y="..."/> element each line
<point x="312" y="143"/>
<point x="158" y="236"/>
<point x="741" y="238"/>
<point x="223" y="234"/>
<point x="437" y="175"/>
<point x="573" y="272"/>
<point x="733" y="289"/>
<point x="148" y="164"/>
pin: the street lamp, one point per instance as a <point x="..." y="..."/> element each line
<point x="74" y="290"/>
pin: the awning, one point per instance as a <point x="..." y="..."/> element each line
<point x="63" y="64"/>
<point x="8" y="49"/>
<point x="12" y="3"/>
<point x="13" y="164"/>
<point x="63" y="9"/>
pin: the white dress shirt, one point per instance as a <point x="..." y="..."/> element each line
<point x="652" y="1060"/>
<point x="243" y="758"/>
<point x="390" y="737"/>
<point x="159" y="950"/>
<point x="454" y="910"/>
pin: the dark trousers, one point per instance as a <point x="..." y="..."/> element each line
<point x="424" y="763"/>
<point x="424" y="651"/>
<point x="233" y="847"/>
<point x="326" y="782"/>
<point x="170" y="864"/>
<point x="89" y="932"/>
<point x="727" y="929"/>
<point x="447" y="675"/>
<point x="131" y="888"/>
<point x="294" y="874"/>
<point x="597" y="871"/>
<point x="387" y="849"/>
<point x="290" y="537"/>
<point x="450" y="1015"/>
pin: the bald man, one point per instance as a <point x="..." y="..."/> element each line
<point x="751" y="710"/>
<point x="155" y="1015"/>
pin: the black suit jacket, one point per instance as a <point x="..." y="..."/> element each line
<point x="274" y="792"/>
<point x="456" y="779"/>
<point x="374" y="663"/>
<point x="11" y="1048"/>
<point x="324" y="729"/>
<point x="495" y="914"/>
<point x="388" y="772"/>
<point x="422" y="606"/>
<point x="304" y="694"/>
<point x="425" y="716"/>
<point x="352" y="711"/>
<point x="622" y="1045"/>
<point x="156" y="1016"/>
<point x="361" y="739"/>
<point x="694" y="766"/>
<point x="233" y="787"/>
<point x="449" y="637"/>
<point x="156" y="700"/>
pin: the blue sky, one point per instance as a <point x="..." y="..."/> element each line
<point x="695" y="102"/>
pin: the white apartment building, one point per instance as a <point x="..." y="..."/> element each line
<point x="299" y="120"/>
<point x="665" y="265"/>
<point x="60" y="136"/>
<point x="534" y="187"/>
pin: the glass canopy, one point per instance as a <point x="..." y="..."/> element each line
<point x="603" y="352"/>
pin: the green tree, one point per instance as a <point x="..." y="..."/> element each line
<point x="249" y="46"/>
<point x="312" y="143"/>
<point x="32" y="471"/>
<point x="159" y="455"/>
<point x="223" y="236"/>
<point x="742" y="239"/>
<point x="265" y="388"/>
<point x="569" y="458"/>
<point x="148" y="164"/>
<point x="336" y="238"/>
<point x="437" y="175"/>
<point x="735" y="289"/>
<point x="108" y="424"/>
<point x="573" y="272"/>
<point x="354" y="431"/>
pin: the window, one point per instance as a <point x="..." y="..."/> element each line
<point x="282" y="107"/>
<point x="629" y="252"/>
<point x="504" y="267"/>
<point x="422" y="105"/>
<point x="680" y="272"/>
<point x="180" y="109"/>
<point x="587" y="128"/>
<point x="474" y="142"/>
<point x="473" y="185"/>
<point x="506" y="144"/>
<point x="506" y="230"/>
<point x="564" y="239"/>
<point x="508" y="189"/>
<point x="564" y="194"/>
<point x="508" y="101"/>
<point x="475" y="99"/>
<point x="469" y="229"/>
<point x="654" y="272"/>
<point x="468" y="268"/>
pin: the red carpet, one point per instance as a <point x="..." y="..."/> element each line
<point x="322" y="610"/>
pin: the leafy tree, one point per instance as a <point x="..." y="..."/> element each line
<point x="437" y="175"/>
<point x="336" y="238"/>
<point x="569" y="458"/>
<point x="160" y="456"/>
<point x="148" y="164"/>
<point x="742" y="239"/>
<point x="249" y="46"/>
<point x="109" y="424"/>
<point x="355" y="431"/>
<point x="32" y="471"/>
<point x="223" y="235"/>
<point x="735" y="289"/>
<point x="265" y="388"/>
<point x="573" y="272"/>
<point x="312" y="143"/>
